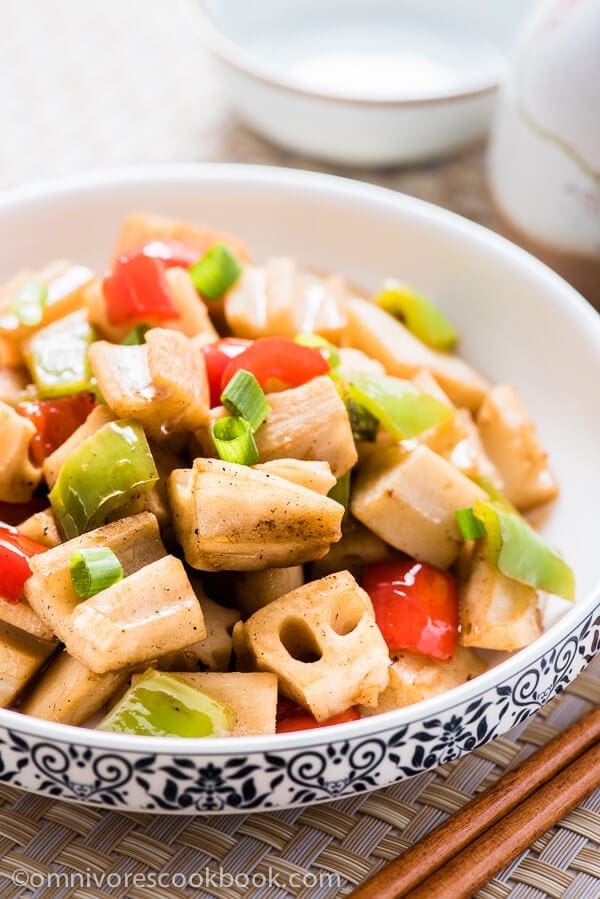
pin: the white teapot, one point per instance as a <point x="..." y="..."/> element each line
<point x="544" y="160"/>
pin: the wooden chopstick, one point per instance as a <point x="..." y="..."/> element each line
<point x="462" y="876"/>
<point x="421" y="862"/>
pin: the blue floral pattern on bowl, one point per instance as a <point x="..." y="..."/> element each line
<point x="326" y="770"/>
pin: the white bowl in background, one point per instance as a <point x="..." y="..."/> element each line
<point x="519" y="322"/>
<point x="363" y="83"/>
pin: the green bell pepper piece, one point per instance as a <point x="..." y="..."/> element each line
<point x="364" y="425"/>
<point x="418" y="314"/>
<point x="517" y="550"/>
<point x="399" y="406"/>
<point x="57" y="357"/>
<point x="162" y="705"/>
<point x="102" y="474"/>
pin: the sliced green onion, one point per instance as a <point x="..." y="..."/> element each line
<point x="137" y="336"/>
<point x="102" y="474"/>
<point x="364" y="425"/>
<point x="519" y="552"/>
<point x="330" y="351"/>
<point x="244" y="397"/>
<point x="469" y="526"/>
<point x="418" y="314"/>
<point x="30" y="302"/>
<point x="234" y="440"/>
<point x="216" y="272"/>
<point x="340" y="492"/>
<point x="163" y="705"/>
<point x="492" y="545"/>
<point x="94" y="570"/>
<point x="399" y="406"/>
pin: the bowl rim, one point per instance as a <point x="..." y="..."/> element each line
<point x="231" y="52"/>
<point x="344" y="190"/>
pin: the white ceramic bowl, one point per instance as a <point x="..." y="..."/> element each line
<point x="519" y="322"/>
<point x="362" y="83"/>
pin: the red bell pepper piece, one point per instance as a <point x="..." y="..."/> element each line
<point x="55" y="421"/>
<point x="171" y="252"/>
<point x="137" y="291"/>
<point x="278" y="359"/>
<point x="292" y="717"/>
<point x="15" y="552"/>
<point x="217" y="357"/>
<point x="416" y="606"/>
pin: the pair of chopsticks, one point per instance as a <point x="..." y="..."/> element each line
<point x="466" y="850"/>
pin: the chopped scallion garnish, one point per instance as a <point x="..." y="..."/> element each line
<point x="329" y="350"/>
<point x="136" y="337"/>
<point x="30" y="301"/>
<point x="93" y="570"/>
<point x="234" y="440"/>
<point x="244" y="397"/>
<point x="418" y="314"/>
<point x="469" y="526"/>
<point x="216" y="272"/>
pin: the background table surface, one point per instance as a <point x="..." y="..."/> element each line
<point x="88" y="85"/>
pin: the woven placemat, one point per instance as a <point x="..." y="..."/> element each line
<point x="87" y="85"/>
<point x="51" y="848"/>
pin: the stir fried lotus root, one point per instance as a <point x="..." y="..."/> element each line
<point x="240" y="498"/>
